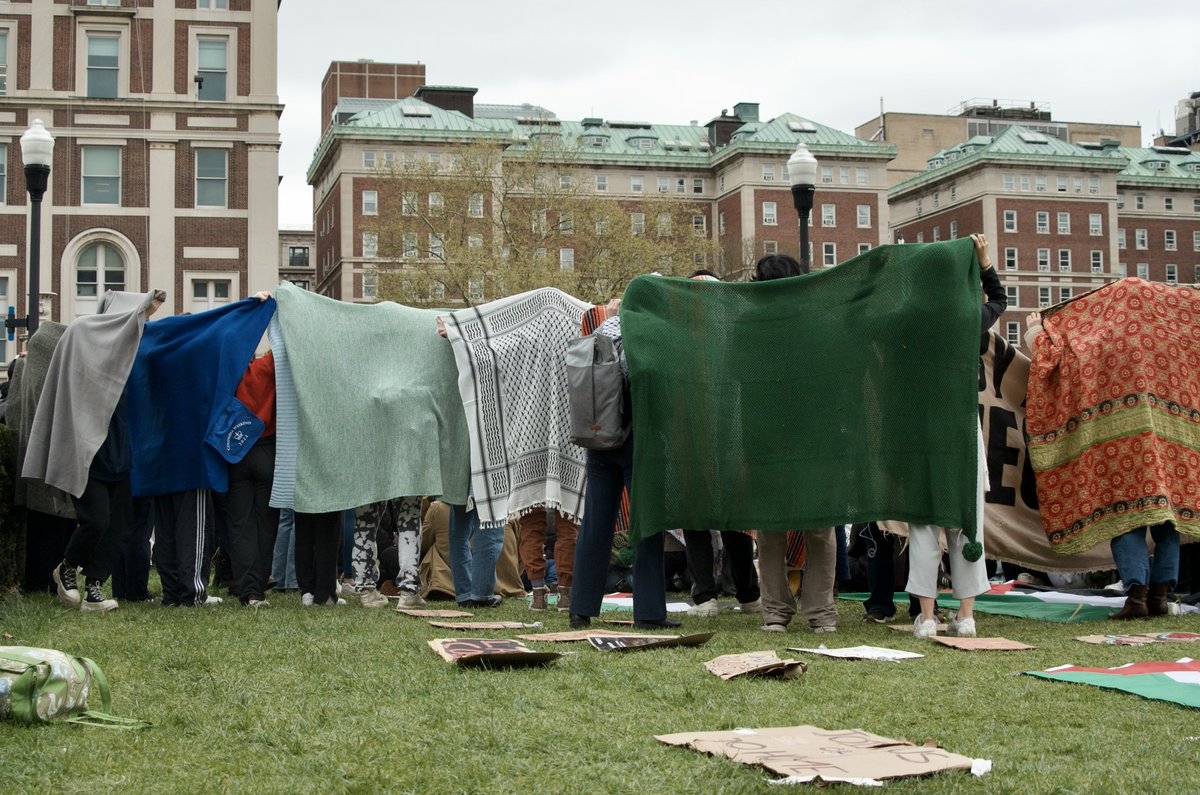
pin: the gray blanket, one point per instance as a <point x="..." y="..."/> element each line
<point x="86" y="377"/>
<point x="29" y="377"/>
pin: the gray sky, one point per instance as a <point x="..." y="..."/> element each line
<point x="671" y="62"/>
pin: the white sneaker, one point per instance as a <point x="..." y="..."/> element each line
<point x="409" y="599"/>
<point x="774" y="628"/>
<point x="824" y="630"/>
<point x="340" y="602"/>
<point x="924" y="630"/>
<point x="372" y="598"/>
<point x="346" y="589"/>
<point x="962" y="629"/>
<point x="306" y="600"/>
<point x="707" y="609"/>
<point x="749" y="607"/>
<point x="94" y="602"/>
<point x="210" y="601"/>
<point x="257" y="603"/>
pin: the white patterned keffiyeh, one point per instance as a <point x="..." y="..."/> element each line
<point x="513" y="381"/>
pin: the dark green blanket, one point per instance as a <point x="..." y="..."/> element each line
<point x="846" y="395"/>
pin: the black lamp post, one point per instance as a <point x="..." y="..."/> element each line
<point x="37" y="150"/>
<point x="802" y="171"/>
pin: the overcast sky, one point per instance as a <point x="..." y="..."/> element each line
<point x="672" y="62"/>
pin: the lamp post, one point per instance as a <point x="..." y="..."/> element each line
<point x="37" y="149"/>
<point x="802" y="171"/>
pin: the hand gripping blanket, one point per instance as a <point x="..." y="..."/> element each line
<point x="86" y="377"/>
<point x="378" y="410"/>
<point x="29" y="378"/>
<point x="187" y="369"/>
<point x="1114" y="413"/>
<point x="513" y="380"/>
<point x="846" y="395"/>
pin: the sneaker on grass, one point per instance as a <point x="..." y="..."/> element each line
<point x="211" y="601"/>
<point x="826" y="630"/>
<point x="306" y="600"/>
<point x="94" y="601"/>
<point x="876" y="618"/>
<point x="774" y="628"/>
<point x="749" y="607"/>
<point x="372" y="598"/>
<point x="924" y="630"/>
<point x="708" y="609"/>
<point x="67" y="585"/>
<point x="257" y="603"/>
<point x="962" y="629"/>
<point x="409" y="599"/>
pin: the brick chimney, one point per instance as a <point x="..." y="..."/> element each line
<point x="459" y="98"/>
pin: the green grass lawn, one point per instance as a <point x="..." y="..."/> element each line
<point x="341" y="700"/>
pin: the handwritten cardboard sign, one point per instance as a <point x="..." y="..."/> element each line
<point x="983" y="644"/>
<point x="639" y="642"/>
<point x="473" y="625"/>
<point x="755" y="664"/>
<point x="863" y="653"/>
<point x="489" y="652"/>
<point x="416" y="613"/>
<point x="1144" y="639"/>
<point x="574" y="635"/>
<point x="815" y="754"/>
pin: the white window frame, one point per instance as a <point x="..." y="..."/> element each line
<point x="1063" y="225"/>
<point x="410" y="247"/>
<point x="437" y="246"/>
<point x="370" y="202"/>
<point x="1170" y="240"/>
<point x="190" y="277"/>
<point x="601" y="183"/>
<point x="770" y="247"/>
<point x="370" y="244"/>
<point x="1043" y="297"/>
<point x="1013" y="293"/>
<point x="1139" y="201"/>
<point x="6" y="73"/>
<point x="84" y="176"/>
<point x="1097" y="261"/>
<point x="1040" y="183"/>
<point x="1060" y="184"/>
<point x="1168" y="203"/>
<point x="1093" y="184"/>
<point x="636" y="184"/>
<point x="1064" y="260"/>
<point x="475" y="205"/>
<point x="1121" y="238"/>
<point x="768" y="173"/>
<point x="721" y="223"/>
<point x="1010" y="220"/>
<point x="1011" y="258"/>
<point x="664" y="185"/>
<point x="1043" y="223"/>
<point x="637" y="224"/>
<point x="864" y="216"/>
<point x="368" y="159"/>
<point x="196" y="152"/>
<point x="408" y="203"/>
<point x="230" y="34"/>
<point x="437" y="204"/>
<point x="1010" y="182"/>
<point x="1172" y="273"/>
<point x="1043" y="260"/>
<point x="1095" y="224"/>
<point x="829" y="216"/>
<point x="4" y="177"/>
<point x="1065" y="293"/>
<point x="863" y="248"/>
<point x="826" y="175"/>
<point x="1196" y="240"/>
<point x="862" y="176"/>
<point x="1141" y="239"/>
<point x="1143" y="270"/>
<point x="829" y="254"/>
<point x="1013" y="332"/>
<point x="697" y="184"/>
<point x="370" y="286"/>
<point x="770" y="214"/>
<point x="566" y="259"/>
<point x="118" y="31"/>
<point x="474" y="289"/>
<point x="844" y="175"/>
<point x="954" y="230"/>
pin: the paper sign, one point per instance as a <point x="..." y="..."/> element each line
<point x="983" y="644"/>
<point x="826" y="756"/>
<point x="489" y="653"/>
<point x="637" y="642"/>
<point x="1141" y="640"/>
<point x="624" y="603"/>
<point x="415" y="613"/>
<point x="756" y="664"/>
<point x="483" y="625"/>
<point x="579" y="634"/>
<point x="863" y="653"/>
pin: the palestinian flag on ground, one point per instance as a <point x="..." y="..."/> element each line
<point x="1177" y="682"/>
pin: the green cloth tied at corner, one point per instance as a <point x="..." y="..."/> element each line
<point x="846" y="395"/>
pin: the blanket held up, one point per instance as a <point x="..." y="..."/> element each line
<point x="28" y="380"/>
<point x="1114" y="413"/>
<point x="186" y="371"/>
<point x="845" y="395"/>
<point x="86" y="377"/>
<point x="379" y="414"/>
<point x="513" y="381"/>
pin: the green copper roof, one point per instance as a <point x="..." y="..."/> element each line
<point x="1179" y="168"/>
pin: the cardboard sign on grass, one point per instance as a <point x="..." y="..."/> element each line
<point x="417" y="613"/>
<point x="983" y="644"/>
<point x="863" y="653"/>
<point x="813" y="754"/>
<point x="639" y="642"/>
<point x="489" y="653"/>
<point x="577" y="634"/>
<point x="1141" y="640"/>
<point x="473" y="625"/>
<point x="762" y="664"/>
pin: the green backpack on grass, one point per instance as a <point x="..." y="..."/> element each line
<point x="43" y="686"/>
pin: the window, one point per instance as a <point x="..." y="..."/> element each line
<point x="920" y="237"/>
<point x="664" y="185"/>
<point x="409" y="250"/>
<point x="1064" y="223"/>
<point x="437" y="291"/>
<point x="1172" y="274"/>
<point x="212" y="5"/>
<point x="937" y="234"/>
<point x="564" y="181"/>
<point x="635" y="184"/>
<point x="1143" y="270"/>
<point x="844" y="175"/>
<point x="1168" y="203"/>
<point x="1169" y="240"/>
<point x="953" y="193"/>
<point x="475" y="205"/>
<point x="1095" y="224"/>
<point x="720" y="223"/>
<point x="100" y="268"/>
<point x="1010" y="220"/>
<point x="1040" y="184"/>
<point x="1093" y="184"/>
<point x="1010" y="182"/>
<point x="1064" y="260"/>
<point x="1064" y="293"/>
<point x="918" y="206"/>
<point x="829" y="256"/>
<point x="861" y="175"/>
<point x="212" y="68"/>
<point x="408" y="204"/>
<point x="437" y="246"/>
<point x="937" y="199"/>
<point x="768" y="173"/>
<point x="681" y="184"/>
<point x="863" y="248"/>
<point x="1196" y="274"/>
<point x="1043" y="223"/>
<point x="1120" y="201"/>
<point x="368" y="159"/>
<point x="566" y="259"/>
<point x="954" y="230"/>
<point x="370" y="285"/>
<point x="435" y="162"/>
<point x="1010" y="259"/>
<point x="1196" y="205"/>
<point x="864" y="216"/>
<point x="436" y="204"/>
<point x="4" y="69"/>
<point x="102" y="175"/>
<point x="1097" y="261"/>
<point x="1025" y="182"/>
<point x="1043" y="259"/>
<point x="1139" y="202"/>
<point x="539" y="256"/>
<point x="370" y="244"/>
<point x="1195" y="235"/>
<point x="208" y="294"/>
<point x="700" y="224"/>
<point x="601" y="183"/>
<point x="1140" y="239"/>
<point x="103" y="65"/>
<point x="663" y="225"/>
<point x="370" y="202"/>
<point x="637" y="223"/>
<point x="1121" y="239"/>
<point x="211" y="177"/>
<point x="769" y="217"/>
<point x="3" y="173"/>
<point x="1122" y="270"/>
<point x="475" y="289"/>
<point x="1077" y="183"/>
<point x="1013" y="332"/>
<point x="566" y="222"/>
<point x="697" y="185"/>
<point x="475" y="242"/>
<point x="1043" y="297"/>
<point x="770" y="247"/>
<point x="828" y="215"/>
<point x="826" y="175"/>
<point x="298" y="257"/>
<point x="1013" y="294"/>
<point x="1061" y="184"/>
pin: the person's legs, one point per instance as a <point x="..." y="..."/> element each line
<point x="120" y="527"/>
<point x="820" y="569"/>
<point x="739" y="547"/>
<point x="305" y="529"/>
<point x="459" y="537"/>
<point x="881" y="604"/>
<point x="92" y="513"/>
<point x="242" y="537"/>
<point x="698" y="544"/>
<point x="165" y="548"/>
<point x="1132" y="557"/>
<point x="283" y="557"/>
<point x="364" y="558"/>
<point x="532" y="550"/>
<point x="486" y="545"/>
<point x="1165" y="568"/>
<point x="317" y="536"/>
<point x="778" y="601"/>
<point x="193" y="528"/>
<point x="266" y="521"/>
<point x="649" y="581"/>
<point x="968" y="580"/>
<point x="593" y="546"/>
<point x="408" y="544"/>
<point x="924" y="557"/>
<point x="566" y="534"/>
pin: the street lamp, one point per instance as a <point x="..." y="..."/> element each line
<point x="37" y="149"/>
<point x="802" y="171"/>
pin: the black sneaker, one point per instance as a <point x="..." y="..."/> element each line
<point x="66" y="584"/>
<point x="94" y="601"/>
<point x="664" y="623"/>
<point x="580" y="622"/>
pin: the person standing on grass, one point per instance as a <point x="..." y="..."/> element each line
<point x="968" y="578"/>
<point x="398" y="520"/>
<point x="534" y="526"/>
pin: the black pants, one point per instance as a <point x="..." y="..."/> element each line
<point x="222" y="568"/>
<point x="317" y="536"/>
<point x="739" y="548"/>
<point x="253" y="523"/>
<point x="183" y="525"/>
<point x="105" y="515"/>
<point x="46" y="539"/>
<point x="131" y="575"/>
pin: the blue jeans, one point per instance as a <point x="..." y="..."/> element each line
<point x="474" y="551"/>
<point x="608" y="473"/>
<point x="1133" y="557"/>
<point x="283" y="564"/>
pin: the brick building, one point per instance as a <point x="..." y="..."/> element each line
<point x="165" y="171"/>
<point x="733" y="167"/>
<point x="1061" y="218"/>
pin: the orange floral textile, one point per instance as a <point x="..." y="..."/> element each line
<point x="1113" y="414"/>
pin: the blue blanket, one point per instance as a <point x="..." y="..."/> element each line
<point x="187" y="369"/>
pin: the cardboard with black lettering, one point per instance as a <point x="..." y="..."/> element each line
<point x="756" y="664"/>
<point x="475" y="625"/>
<point x="641" y="642"/>
<point x="490" y="653"/>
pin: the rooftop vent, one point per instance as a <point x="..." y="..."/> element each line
<point x="416" y="110"/>
<point x="802" y="126"/>
<point x="1034" y="138"/>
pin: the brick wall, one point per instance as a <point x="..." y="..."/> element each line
<point x="968" y="216"/>
<point x="237" y="166"/>
<point x="141" y="56"/>
<point x="64" y="53"/>
<point x="207" y="232"/>
<point x="183" y="80"/>
<point x="67" y="228"/>
<point x="1155" y="254"/>
<point x="67" y="172"/>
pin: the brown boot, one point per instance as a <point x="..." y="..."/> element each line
<point x="539" y="602"/>
<point x="1135" y="604"/>
<point x="564" y="599"/>
<point x="1157" y="601"/>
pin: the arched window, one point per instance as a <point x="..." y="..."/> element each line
<point x="100" y="267"/>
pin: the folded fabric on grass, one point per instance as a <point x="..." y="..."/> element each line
<point x="513" y="381"/>
<point x="378" y="410"/>
<point x="1177" y="682"/>
<point x="846" y="395"/>
<point x="1113" y="414"/>
<point x="187" y="370"/>
<point x="84" y="382"/>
